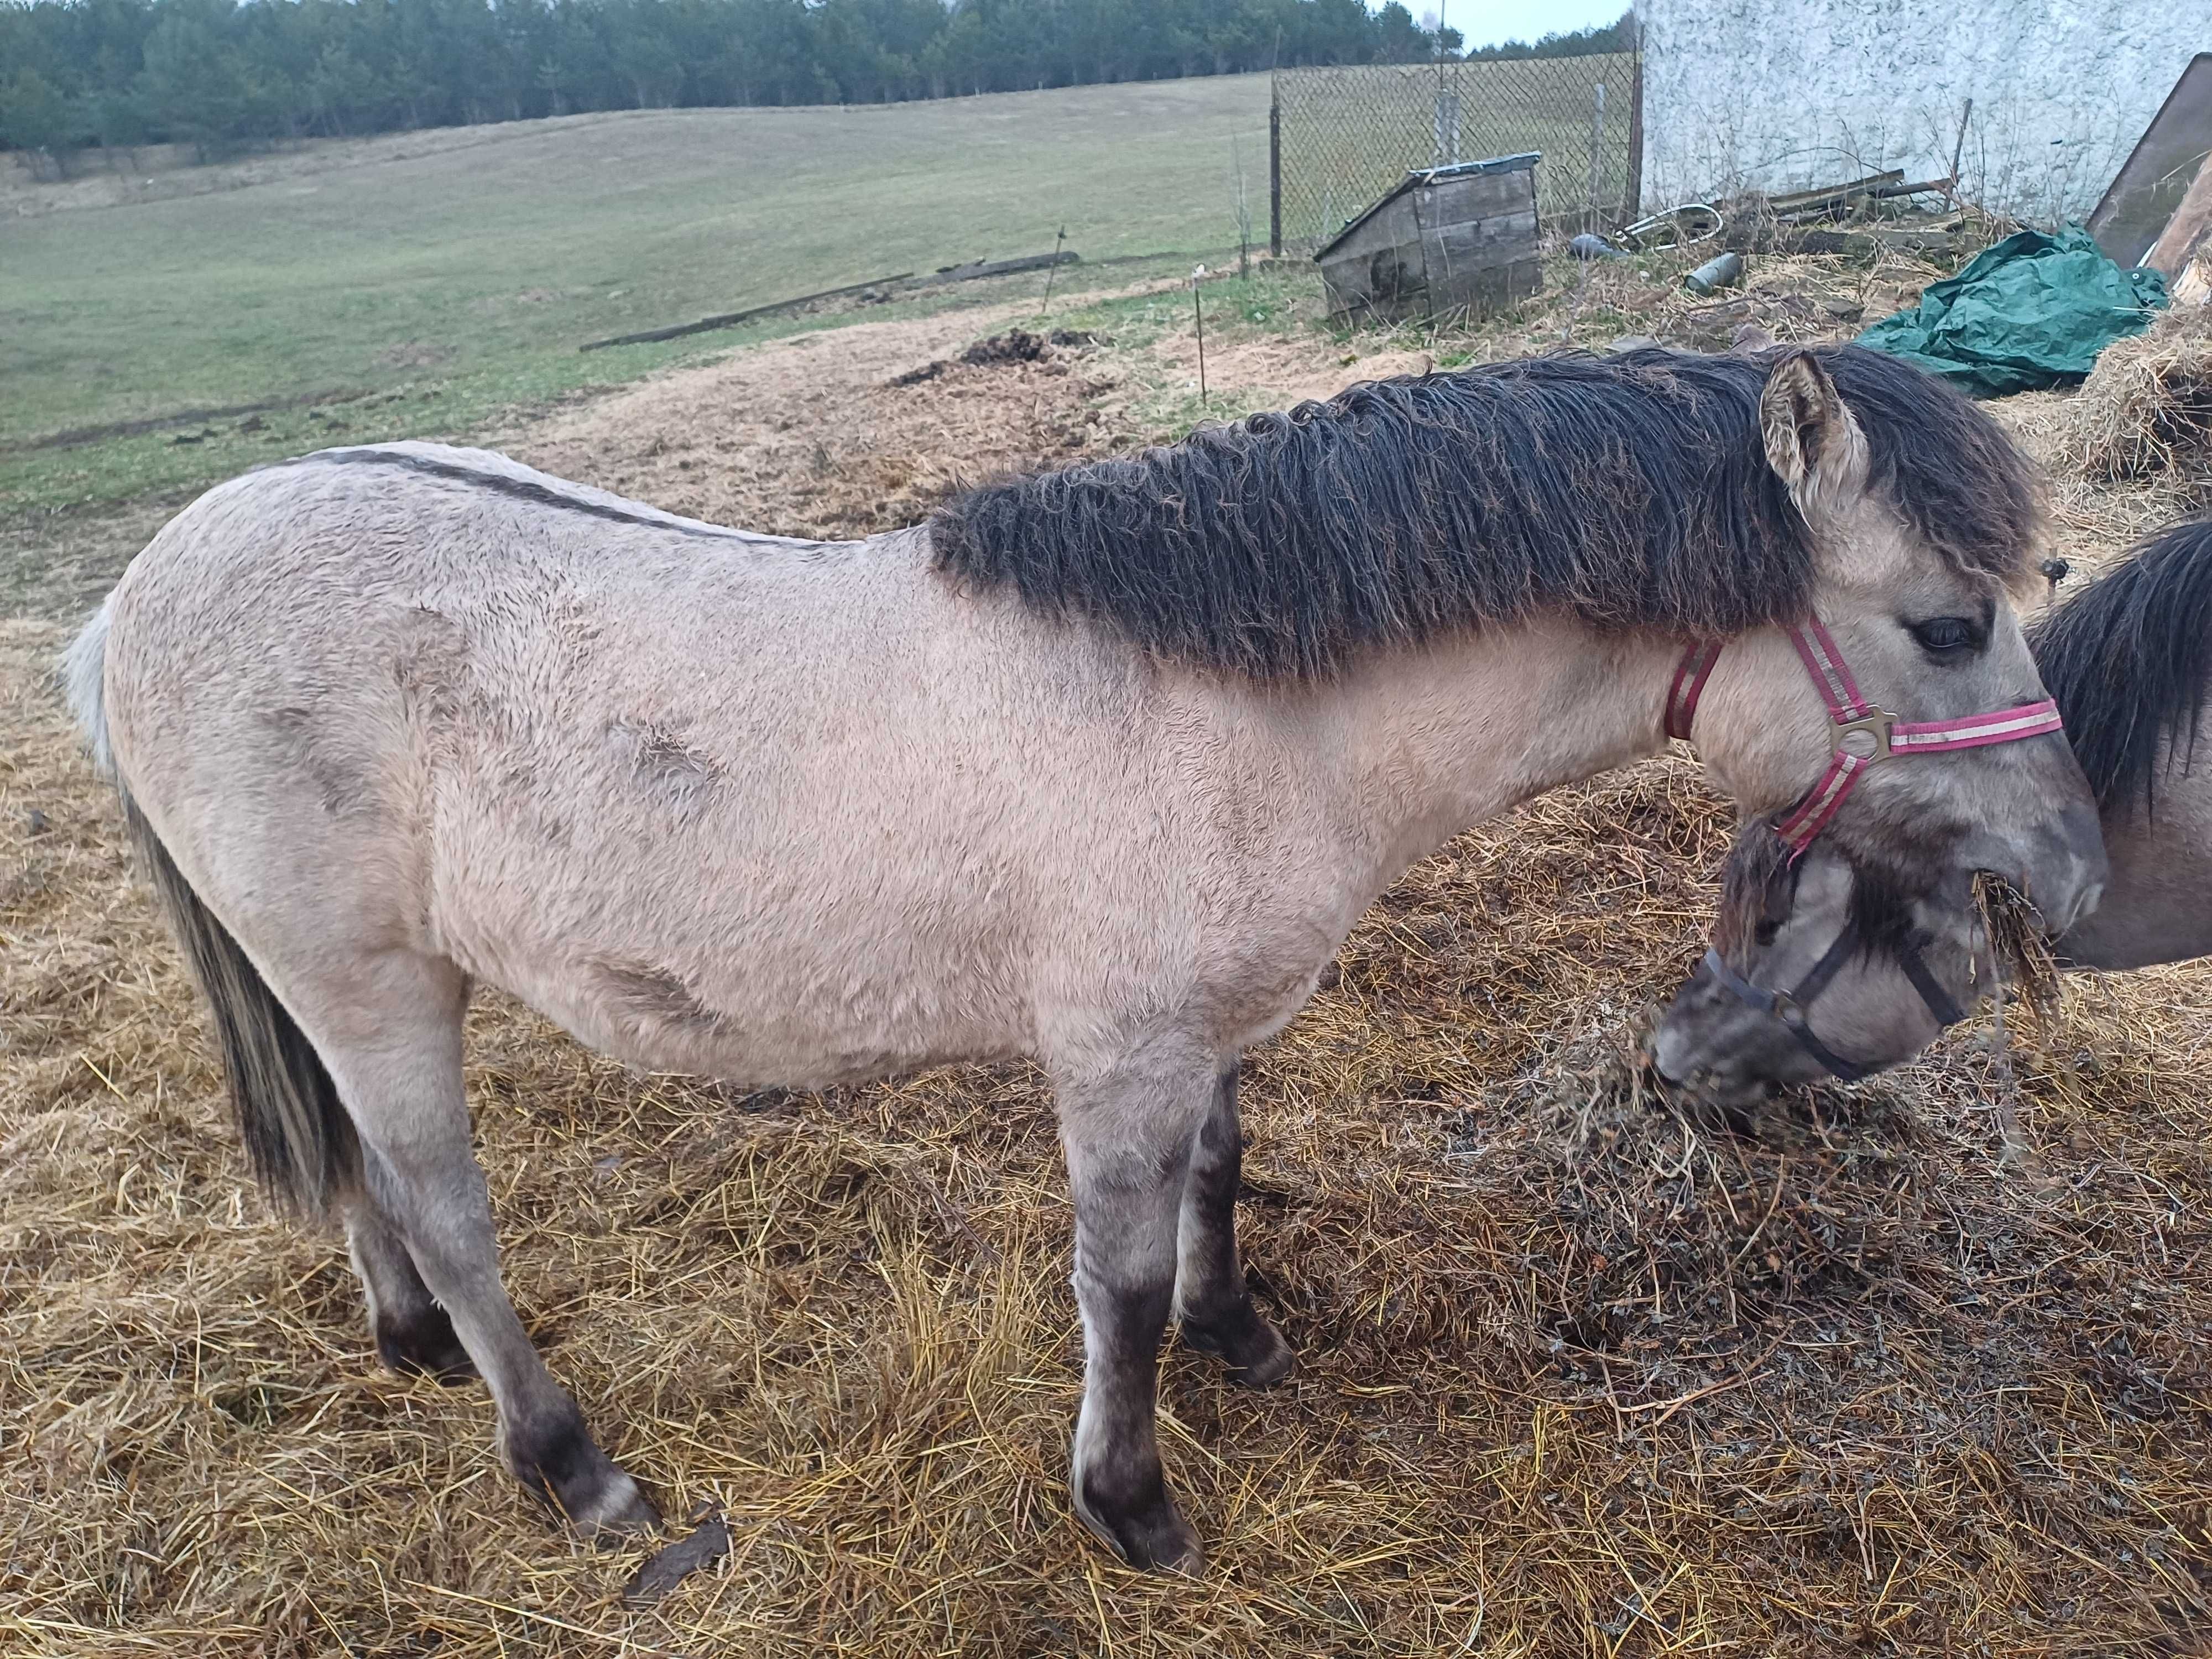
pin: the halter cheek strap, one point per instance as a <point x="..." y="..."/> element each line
<point x="1690" y="677"/>
<point x="1861" y="732"/>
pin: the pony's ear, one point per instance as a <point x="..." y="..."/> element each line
<point x="1812" y="441"/>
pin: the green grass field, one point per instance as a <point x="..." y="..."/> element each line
<point x="457" y="284"/>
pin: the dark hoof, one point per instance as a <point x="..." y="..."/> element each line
<point x="424" y="1346"/>
<point x="570" y="1473"/>
<point x="1151" y="1538"/>
<point x="1252" y="1349"/>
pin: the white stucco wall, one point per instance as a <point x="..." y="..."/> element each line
<point x="1776" y="93"/>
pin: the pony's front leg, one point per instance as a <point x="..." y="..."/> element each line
<point x="1128" y="1140"/>
<point x="1212" y="1302"/>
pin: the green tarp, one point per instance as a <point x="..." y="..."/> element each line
<point x="2032" y="312"/>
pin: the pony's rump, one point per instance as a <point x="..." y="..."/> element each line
<point x="298" y="1136"/>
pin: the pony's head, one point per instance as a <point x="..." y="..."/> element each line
<point x="1900" y="720"/>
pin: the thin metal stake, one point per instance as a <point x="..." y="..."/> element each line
<point x="1199" y="314"/>
<point x="1051" y="270"/>
<point x="1597" y="146"/>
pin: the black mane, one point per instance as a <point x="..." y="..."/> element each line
<point x="1632" y="490"/>
<point x="2127" y="658"/>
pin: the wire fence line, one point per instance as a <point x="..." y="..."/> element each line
<point x="1348" y="135"/>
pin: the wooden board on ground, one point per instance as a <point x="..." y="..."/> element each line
<point x="731" y="319"/>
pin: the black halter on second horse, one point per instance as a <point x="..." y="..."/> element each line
<point x="1793" y="1006"/>
<point x="1862" y="734"/>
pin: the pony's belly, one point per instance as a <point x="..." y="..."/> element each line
<point x="781" y="1026"/>
<point x="782" y="1054"/>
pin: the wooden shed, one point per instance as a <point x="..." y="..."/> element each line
<point x="1447" y="239"/>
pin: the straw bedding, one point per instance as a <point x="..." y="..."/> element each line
<point x="1580" y="1375"/>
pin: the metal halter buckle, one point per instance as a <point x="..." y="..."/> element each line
<point x="1875" y="726"/>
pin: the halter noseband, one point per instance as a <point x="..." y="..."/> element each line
<point x="1862" y="735"/>
<point x="1792" y="1007"/>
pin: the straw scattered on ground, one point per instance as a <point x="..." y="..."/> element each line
<point x="1579" y="1375"/>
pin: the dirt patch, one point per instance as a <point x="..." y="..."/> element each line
<point x="1286" y="371"/>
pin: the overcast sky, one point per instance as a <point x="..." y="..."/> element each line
<point x="1484" y="22"/>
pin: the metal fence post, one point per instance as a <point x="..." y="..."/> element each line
<point x="1631" y="206"/>
<point x="1274" y="168"/>
<point x="1596" y="149"/>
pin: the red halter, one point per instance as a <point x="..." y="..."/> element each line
<point x="1864" y="733"/>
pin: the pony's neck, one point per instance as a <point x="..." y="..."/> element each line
<point x="1442" y="740"/>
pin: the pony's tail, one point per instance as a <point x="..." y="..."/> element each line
<point x="84" y="679"/>
<point x="298" y="1135"/>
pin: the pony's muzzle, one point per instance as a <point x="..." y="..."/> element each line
<point x="2063" y="866"/>
<point x="2059" y="863"/>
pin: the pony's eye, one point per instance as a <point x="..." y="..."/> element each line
<point x="1944" y="634"/>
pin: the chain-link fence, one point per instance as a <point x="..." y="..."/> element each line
<point x="1348" y="135"/>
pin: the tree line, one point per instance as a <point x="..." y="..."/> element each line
<point x="223" y="76"/>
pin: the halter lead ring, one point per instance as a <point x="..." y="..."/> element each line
<point x="1861" y="735"/>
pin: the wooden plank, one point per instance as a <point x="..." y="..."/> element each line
<point x="1481" y="197"/>
<point x="1455" y="253"/>
<point x="1764" y="236"/>
<point x="2146" y="190"/>
<point x="1833" y="195"/>
<point x="1491" y="289"/>
<point x="1890" y="193"/>
<point x="730" y="319"/>
<point x="2184" y="232"/>
<point x="976" y="269"/>
<point x="1908" y="240"/>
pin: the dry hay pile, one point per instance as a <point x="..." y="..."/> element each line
<point x="838" y="434"/>
<point x="1577" y="1375"/>
<point x="2146" y="407"/>
<point x="2130" y="451"/>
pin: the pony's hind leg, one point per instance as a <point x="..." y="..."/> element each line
<point x="1213" y="1304"/>
<point x="392" y="1043"/>
<point x="1127" y="1137"/>
<point x="414" y="1335"/>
